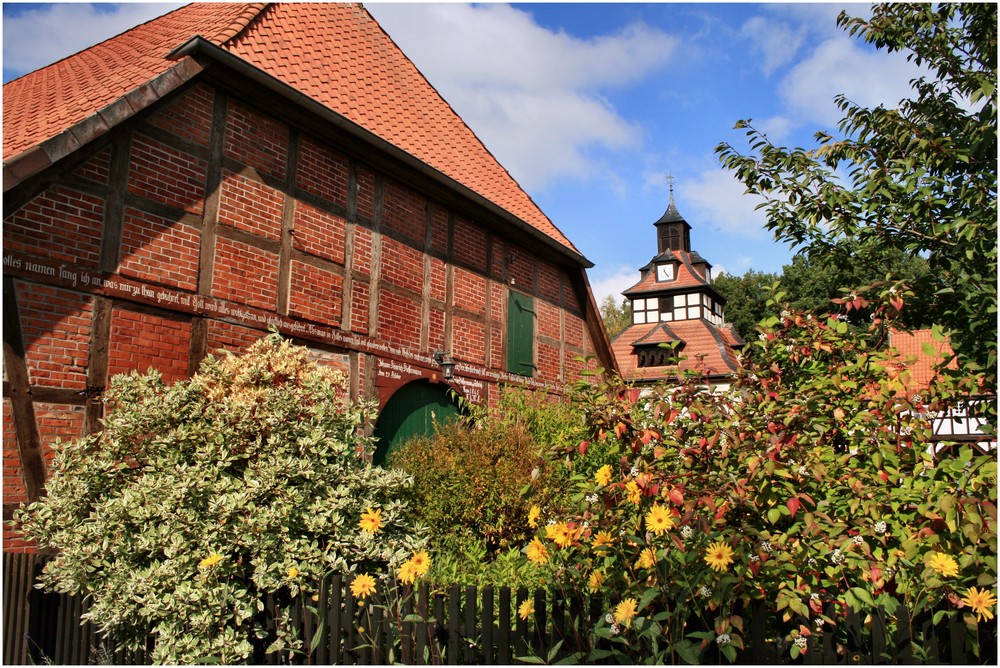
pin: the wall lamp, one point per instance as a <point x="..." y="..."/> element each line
<point x="444" y="361"/>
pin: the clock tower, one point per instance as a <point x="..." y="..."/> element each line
<point x="675" y="303"/>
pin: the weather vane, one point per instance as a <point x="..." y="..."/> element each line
<point x="670" y="182"/>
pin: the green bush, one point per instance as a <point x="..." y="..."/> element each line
<point x="476" y="479"/>
<point x="199" y="499"/>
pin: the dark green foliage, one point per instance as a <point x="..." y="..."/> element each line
<point x="920" y="178"/>
<point x="746" y="297"/>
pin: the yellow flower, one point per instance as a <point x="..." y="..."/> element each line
<point x="595" y="581"/>
<point x="944" y="564"/>
<point x="647" y="559"/>
<point x="371" y="521"/>
<point x="560" y="534"/>
<point x="634" y="493"/>
<point x="603" y="539"/>
<point x="603" y="475"/>
<point x="659" y="519"/>
<point x="421" y="562"/>
<point x="719" y="555"/>
<point x="980" y="601"/>
<point x="537" y="554"/>
<point x="363" y="586"/>
<point x="533" y="516"/>
<point x="210" y="560"/>
<point x="625" y="611"/>
<point x="408" y="572"/>
<point x="526" y="609"/>
<point x="293" y="573"/>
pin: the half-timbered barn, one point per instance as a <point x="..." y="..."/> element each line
<point x="227" y="168"/>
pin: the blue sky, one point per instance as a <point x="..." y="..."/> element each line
<point x="591" y="105"/>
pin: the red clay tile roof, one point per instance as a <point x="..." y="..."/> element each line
<point x="718" y="345"/>
<point x="335" y="53"/>
<point x="684" y="277"/>
<point x="910" y="346"/>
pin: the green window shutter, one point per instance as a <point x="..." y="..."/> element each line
<point x="520" y="334"/>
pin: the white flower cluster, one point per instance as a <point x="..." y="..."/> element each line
<point x="837" y="558"/>
<point x="754" y="558"/>
<point x="801" y="642"/>
<point x="686" y="531"/>
<point x="704" y="591"/>
<point x="614" y="630"/>
<point x="591" y="498"/>
<point x="765" y="547"/>
<point x="723" y="639"/>
<point x="609" y="618"/>
<point x="858" y="540"/>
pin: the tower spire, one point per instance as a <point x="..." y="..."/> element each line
<point x="670" y="182"/>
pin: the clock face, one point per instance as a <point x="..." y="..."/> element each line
<point x="664" y="272"/>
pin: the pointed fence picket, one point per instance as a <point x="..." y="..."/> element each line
<point x="421" y="625"/>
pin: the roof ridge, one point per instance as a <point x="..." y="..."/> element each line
<point x="240" y="23"/>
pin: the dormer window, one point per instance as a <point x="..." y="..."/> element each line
<point x="665" y="272"/>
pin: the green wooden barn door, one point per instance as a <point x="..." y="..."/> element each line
<point x="410" y="412"/>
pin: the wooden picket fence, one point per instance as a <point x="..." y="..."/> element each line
<point x="471" y="626"/>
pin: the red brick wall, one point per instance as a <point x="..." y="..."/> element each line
<point x="142" y="340"/>
<point x="227" y="336"/>
<point x="159" y="251"/>
<point x="256" y="140"/>
<point x="161" y="245"/>
<point x="322" y="172"/>
<point x="316" y="294"/>
<point x="399" y="319"/>
<point x="245" y="274"/>
<point x="166" y="175"/>
<point x="97" y="168"/>
<point x="402" y="265"/>
<point x="250" y="206"/>
<point x="319" y="233"/>
<point x="189" y="116"/>
<point x="55" y="325"/>
<point x="61" y="223"/>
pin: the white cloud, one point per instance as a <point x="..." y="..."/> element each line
<point x="532" y="95"/>
<point x="612" y="281"/>
<point x="720" y="203"/>
<point x="839" y="65"/>
<point x="778" y="42"/>
<point x="35" y="36"/>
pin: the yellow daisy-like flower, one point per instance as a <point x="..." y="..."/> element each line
<point x="537" y="553"/>
<point x="526" y="609"/>
<point x="408" y="572"/>
<point x="363" y="586"/>
<point x="981" y="602"/>
<point x="625" y="611"/>
<point x="647" y="559"/>
<point x="533" y="514"/>
<point x="210" y="560"/>
<point x="595" y="580"/>
<point x="659" y="520"/>
<point x="603" y="475"/>
<point x="944" y="564"/>
<point x="421" y="562"/>
<point x="603" y="539"/>
<point x="634" y="493"/>
<point x="719" y="556"/>
<point x="293" y="573"/>
<point x="371" y="521"/>
<point x="560" y="534"/>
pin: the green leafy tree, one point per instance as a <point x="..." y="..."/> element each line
<point x="746" y="299"/>
<point x="199" y="499"/>
<point x="616" y="315"/>
<point x="920" y="178"/>
<point x="811" y="487"/>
